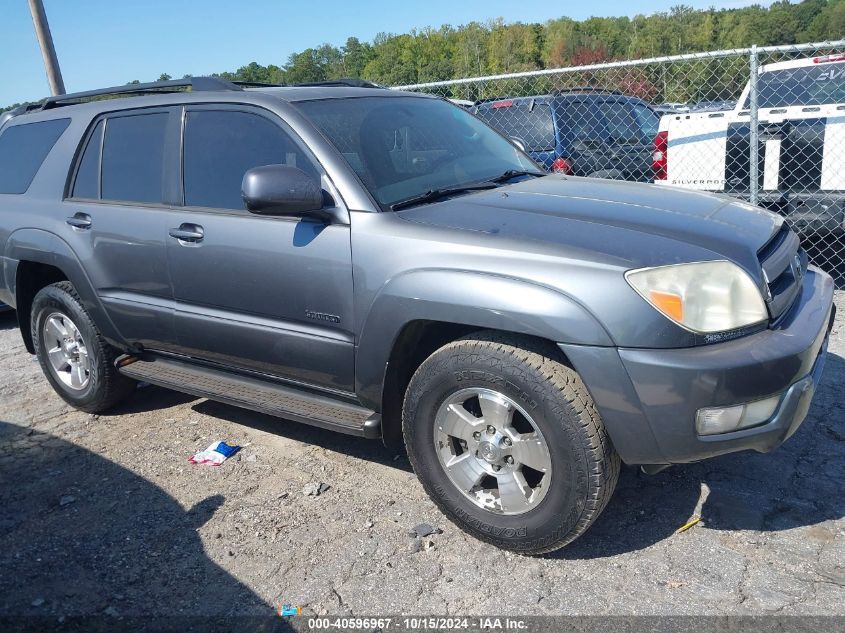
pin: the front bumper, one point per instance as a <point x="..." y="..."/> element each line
<point x="648" y="398"/>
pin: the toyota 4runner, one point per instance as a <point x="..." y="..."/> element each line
<point x="384" y="264"/>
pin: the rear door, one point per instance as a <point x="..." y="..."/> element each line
<point x="260" y="293"/>
<point x="117" y="218"/>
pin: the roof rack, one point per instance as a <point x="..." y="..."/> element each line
<point x="257" y="84"/>
<point x="345" y="81"/>
<point x="196" y="84"/>
<point x="21" y="109"/>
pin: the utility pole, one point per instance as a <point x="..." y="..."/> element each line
<point x="48" y="52"/>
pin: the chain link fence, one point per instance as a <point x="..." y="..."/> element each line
<point x="766" y="125"/>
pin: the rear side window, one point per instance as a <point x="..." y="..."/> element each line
<point x="133" y="158"/>
<point x="22" y="150"/>
<point x="648" y="121"/>
<point x="594" y="123"/>
<point x="623" y="128"/>
<point x="87" y="183"/>
<point x="529" y="122"/>
<point x="222" y="145"/>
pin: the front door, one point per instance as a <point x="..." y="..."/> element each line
<point x="266" y="294"/>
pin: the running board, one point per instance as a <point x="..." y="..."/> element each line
<point x="253" y="393"/>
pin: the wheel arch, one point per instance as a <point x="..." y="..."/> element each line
<point x="35" y="259"/>
<point x="419" y="312"/>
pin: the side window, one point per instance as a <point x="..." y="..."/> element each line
<point x="622" y="127"/>
<point x="222" y="145"/>
<point x="648" y="121"/>
<point x="22" y="150"/>
<point x="531" y="123"/>
<point x="587" y="125"/>
<point x="133" y="157"/>
<point x="87" y="182"/>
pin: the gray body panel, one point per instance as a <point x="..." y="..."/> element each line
<point x="322" y="305"/>
<point x="242" y="295"/>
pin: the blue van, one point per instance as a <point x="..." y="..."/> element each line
<point x="582" y="132"/>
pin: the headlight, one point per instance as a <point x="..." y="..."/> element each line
<point x="703" y="297"/>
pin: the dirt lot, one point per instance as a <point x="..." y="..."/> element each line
<point x="105" y="515"/>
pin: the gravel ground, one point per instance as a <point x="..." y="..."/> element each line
<point x="105" y="515"/>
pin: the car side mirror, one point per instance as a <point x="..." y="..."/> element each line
<point x="518" y="142"/>
<point x="282" y="190"/>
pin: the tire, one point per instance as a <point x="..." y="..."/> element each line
<point x="73" y="354"/>
<point x="511" y="381"/>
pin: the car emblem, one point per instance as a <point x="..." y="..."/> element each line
<point x="489" y="452"/>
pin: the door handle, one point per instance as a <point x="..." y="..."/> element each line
<point x="188" y="233"/>
<point x="80" y="221"/>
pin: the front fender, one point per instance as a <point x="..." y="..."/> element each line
<point x="42" y="247"/>
<point x="481" y="300"/>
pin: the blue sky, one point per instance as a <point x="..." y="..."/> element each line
<point x="109" y="42"/>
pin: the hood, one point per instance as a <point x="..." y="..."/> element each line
<point x="626" y="224"/>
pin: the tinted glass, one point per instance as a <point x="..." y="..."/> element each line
<point x="22" y="150"/>
<point x="648" y="122"/>
<point x="222" y="145"/>
<point x="133" y="157"/>
<point x="87" y="183"/>
<point x="595" y="123"/>
<point x="530" y="123"/>
<point x="621" y="126"/>
<point x="402" y="147"/>
<point x="809" y="85"/>
<point x="587" y="124"/>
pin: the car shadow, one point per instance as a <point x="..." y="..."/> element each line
<point x="150" y="398"/>
<point x="84" y="537"/>
<point x="358" y="447"/>
<point x="798" y="485"/>
<point x="8" y="320"/>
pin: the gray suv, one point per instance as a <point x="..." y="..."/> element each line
<point x="385" y="265"/>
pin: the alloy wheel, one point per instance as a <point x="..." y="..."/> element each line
<point x="67" y="352"/>
<point x="492" y="451"/>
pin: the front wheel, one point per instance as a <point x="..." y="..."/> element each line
<point x="507" y="442"/>
<point x="73" y="355"/>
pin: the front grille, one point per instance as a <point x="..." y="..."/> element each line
<point x="784" y="265"/>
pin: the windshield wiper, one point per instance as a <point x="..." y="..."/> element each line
<point x="513" y="173"/>
<point x="437" y="194"/>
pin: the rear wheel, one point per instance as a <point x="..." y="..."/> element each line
<point x="73" y="355"/>
<point x="507" y="441"/>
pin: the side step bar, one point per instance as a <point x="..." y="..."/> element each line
<point x="253" y="393"/>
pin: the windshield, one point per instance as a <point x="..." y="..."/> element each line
<point x="806" y="86"/>
<point x="402" y="147"/>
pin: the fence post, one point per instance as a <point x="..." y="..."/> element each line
<point x="754" y="129"/>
